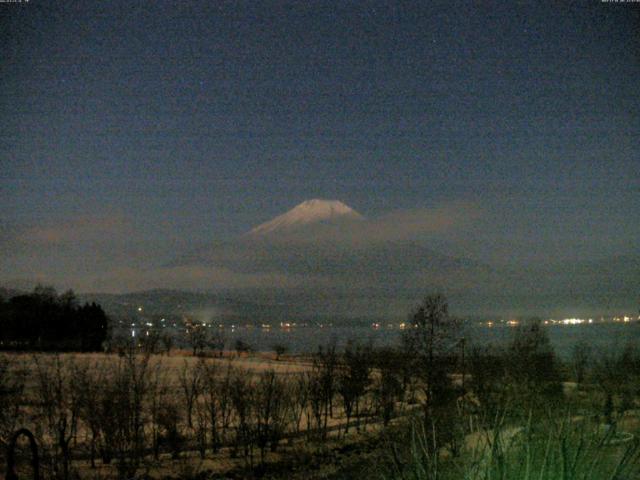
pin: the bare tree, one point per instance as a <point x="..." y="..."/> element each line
<point x="90" y="381"/>
<point x="123" y="419"/>
<point x="12" y="381"/>
<point x="429" y="342"/>
<point x="150" y="342"/>
<point x="316" y="395"/>
<point x="388" y="387"/>
<point x="216" y="342"/>
<point x="325" y="363"/>
<point x="167" y="342"/>
<point x="190" y="383"/>
<point x="169" y="422"/>
<point x="271" y="409"/>
<point x="202" y="424"/>
<point x="197" y="336"/>
<point x="353" y="375"/>
<point x="279" y="350"/>
<point x="157" y="393"/>
<point x="241" y="394"/>
<point x="59" y="404"/>
<point x="225" y="405"/>
<point x="242" y="347"/>
<point x="299" y="393"/>
<point x="210" y="374"/>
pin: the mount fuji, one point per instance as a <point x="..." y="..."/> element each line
<point x="330" y="239"/>
<point x="324" y="257"/>
<point x="308" y="213"/>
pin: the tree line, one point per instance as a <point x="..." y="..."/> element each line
<point x="45" y="321"/>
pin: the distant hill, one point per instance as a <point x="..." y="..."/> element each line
<point x="344" y="264"/>
<point x="322" y="237"/>
<point x="323" y="259"/>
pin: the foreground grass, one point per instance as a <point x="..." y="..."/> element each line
<point x="560" y="448"/>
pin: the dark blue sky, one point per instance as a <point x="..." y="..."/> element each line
<point x="130" y="130"/>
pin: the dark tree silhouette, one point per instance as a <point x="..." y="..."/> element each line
<point x="429" y="344"/>
<point x="531" y="362"/>
<point x="353" y="375"/>
<point x="42" y="320"/>
<point x="279" y="350"/>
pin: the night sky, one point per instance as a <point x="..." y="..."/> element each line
<point x="130" y="131"/>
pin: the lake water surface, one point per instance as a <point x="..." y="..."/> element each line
<point x="603" y="337"/>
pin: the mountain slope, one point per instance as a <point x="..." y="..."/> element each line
<point x="307" y="213"/>
<point x="329" y="240"/>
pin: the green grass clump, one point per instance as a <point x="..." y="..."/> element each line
<point x="564" y="448"/>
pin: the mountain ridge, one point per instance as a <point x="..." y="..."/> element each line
<point x="308" y="212"/>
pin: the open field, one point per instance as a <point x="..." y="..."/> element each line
<point x="516" y="412"/>
<point x="176" y="413"/>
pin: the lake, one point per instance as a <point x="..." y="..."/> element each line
<point x="603" y="337"/>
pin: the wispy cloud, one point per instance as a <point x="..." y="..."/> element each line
<point x="422" y="223"/>
<point x="81" y="229"/>
<point x="126" y="279"/>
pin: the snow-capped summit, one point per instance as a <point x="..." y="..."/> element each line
<point x="308" y="212"/>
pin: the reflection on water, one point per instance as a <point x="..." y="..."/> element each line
<point x="307" y="337"/>
<point x="299" y="339"/>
